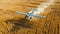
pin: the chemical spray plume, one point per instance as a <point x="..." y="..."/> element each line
<point x="41" y="8"/>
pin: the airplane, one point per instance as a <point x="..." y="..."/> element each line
<point x="30" y="15"/>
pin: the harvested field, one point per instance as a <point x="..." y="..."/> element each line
<point x="12" y="23"/>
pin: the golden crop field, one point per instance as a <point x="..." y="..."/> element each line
<point x="12" y="23"/>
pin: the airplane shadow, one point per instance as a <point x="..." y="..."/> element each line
<point x="19" y="23"/>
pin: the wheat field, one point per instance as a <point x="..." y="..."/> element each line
<point x="12" y="23"/>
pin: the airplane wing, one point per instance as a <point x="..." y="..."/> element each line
<point x="23" y="13"/>
<point x="40" y="16"/>
<point x="37" y="16"/>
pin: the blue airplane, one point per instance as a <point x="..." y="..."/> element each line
<point x="30" y="15"/>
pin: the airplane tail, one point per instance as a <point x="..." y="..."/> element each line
<point x="32" y="10"/>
